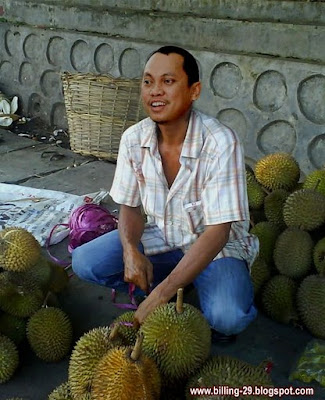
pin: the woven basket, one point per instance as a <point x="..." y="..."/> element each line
<point x="99" y="109"/>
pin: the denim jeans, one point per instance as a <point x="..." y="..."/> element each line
<point x="224" y="287"/>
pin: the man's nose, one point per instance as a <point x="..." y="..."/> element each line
<point x="156" y="89"/>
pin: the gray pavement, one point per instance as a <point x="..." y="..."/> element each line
<point x="90" y="306"/>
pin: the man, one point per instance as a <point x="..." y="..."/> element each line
<point x="187" y="172"/>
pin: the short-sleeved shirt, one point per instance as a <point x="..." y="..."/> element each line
<point x="209" y="189"/>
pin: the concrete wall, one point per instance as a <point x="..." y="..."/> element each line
<point x="262" y="63"/>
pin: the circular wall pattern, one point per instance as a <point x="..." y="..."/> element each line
<point x="11" y="40"/>
<point x="277" y="136"/>
<point x="80" y="56"/>
<point x="103" y="58"/>
<point x="58" y="116"/>
<point x="26" y="74"/>
<point x="51" y="83"/>
<point x="34" y="104"/>
<point x="57" y="51"/>
<point x="226" y="80"/>
<point x="129" y="64"/>
<point x="7" y="74"/>
<point x="235" y="120"/>
<point x="270" y="91"/>
<point x="311" y="98"/>
<point x="316" y="151"/>
<point x="32" y="47"/>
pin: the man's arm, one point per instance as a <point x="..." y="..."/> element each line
<point x="198" y="257"/>
<point x="137" y="267"/>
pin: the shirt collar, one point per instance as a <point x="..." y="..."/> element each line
<point x="193" y="141"/>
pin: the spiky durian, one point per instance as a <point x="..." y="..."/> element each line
<point x="311" y="306"/>
<point x="19" y="250"/>
<point x="62" y="392"/>
<point x="170" y="331"/>
<point x="13" y="327"/>
<point x="316" y="180"/>
<point x="319" y="256"/>
<point x="126" y="331"/>
<point x="277" y="171"/>
<point x="255" y="192"/>
<point x="22" y="298"/>
<point x="278" y="298"/>
<point x="49" y="333"/>
<point x="273" y="206"/>
<point x="304" y="209"/>
<point x="89" y="349"/>
<point x="9" y="358"/>
<point x="39" y="273"/>
<point x="226" y="373"/>
<point x="124" y="373"/>
<point x="293" y="253"/>
<point x="260" y="273"/>
<point x="267" y="234"/>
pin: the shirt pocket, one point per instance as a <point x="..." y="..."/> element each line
<point x="194" y="216"/>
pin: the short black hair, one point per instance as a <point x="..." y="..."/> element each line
<point x="189" y="65"/>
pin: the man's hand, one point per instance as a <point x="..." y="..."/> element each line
<point x="138" y="270"/>
<point x="147" y="306"/>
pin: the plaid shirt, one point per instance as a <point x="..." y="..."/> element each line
<point x="209" y="189"/>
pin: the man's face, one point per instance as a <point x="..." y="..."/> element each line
<point x="165" y="92"/>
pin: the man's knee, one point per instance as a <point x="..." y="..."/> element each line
<point x="230" y="320"/>
<point x="80" y="264"/>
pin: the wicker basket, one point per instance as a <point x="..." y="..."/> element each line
<point x="99" y="109"/>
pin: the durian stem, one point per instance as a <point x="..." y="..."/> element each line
<point x="136" y="352"/>
<point x="265" y="190"/>
<point x="317" y="184"/>
<point x="46" y="299"/>
<point x="114" y="332"/>
<point x="180" y="301"/>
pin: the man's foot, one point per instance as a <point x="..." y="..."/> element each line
<point x="217" y="337"/>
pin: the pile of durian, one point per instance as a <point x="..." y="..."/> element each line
<point x="288" y="217"/>
<point x="169" y="354"/>
<point x="29" y="309"/>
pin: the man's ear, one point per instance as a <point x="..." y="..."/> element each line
<point x="196" y="90"/>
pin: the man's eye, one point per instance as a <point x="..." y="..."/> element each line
<point x="168" y="81"/>
<point x="146" y="82"/>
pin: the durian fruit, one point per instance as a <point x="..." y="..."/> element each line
<point x="319" y="256"/>
<point x="13" y="327"/>
<point x="19" y="250"/>
<point x="311" y="305"/>
<point x="267" y="234"/>
<point x="88" y="351"/>
<point x="278" y="299"/>
<point x="293" y="253"/>
<point x="225" y="372"/>
<point x="316" y="180"/>
<point x="9" y="358"/>
<point x="177" y="337"/>
<point x="277" y="171"/>
<point x="21" y="298"/>
<point x="273" y="206"/>
<point x="40" y="273"/>
<point x="59" y="278"/>
<point x="125" y="373"/>
<point x="260" y="274"/>
<point x="255" y="192"/>
<point x="127" y="332"/>
<point x="62" y="392"/>
<point x="304" y="209"/>
<point x="49" y="332"/>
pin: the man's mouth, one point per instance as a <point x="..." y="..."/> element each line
<point x="157" y="104"/>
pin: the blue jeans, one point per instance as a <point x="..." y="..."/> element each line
<point x="224" y="287"/>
